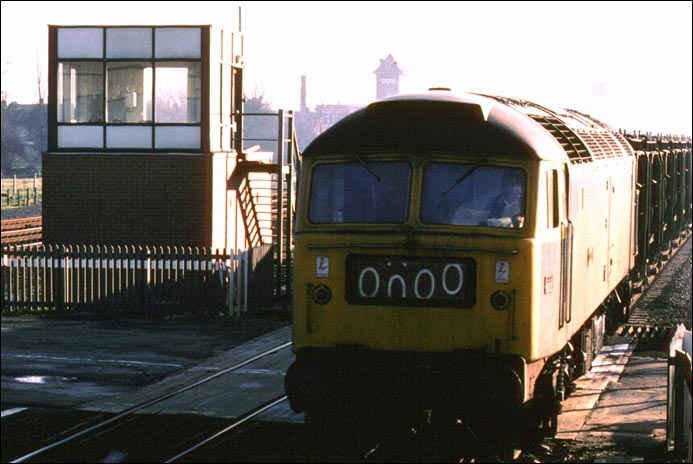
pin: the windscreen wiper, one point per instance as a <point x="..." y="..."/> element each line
<point x="474" y="167"/>
<point x="365" y="166"/>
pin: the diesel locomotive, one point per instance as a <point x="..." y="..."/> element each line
<point x="460" y="257"/>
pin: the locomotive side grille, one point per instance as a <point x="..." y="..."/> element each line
<point x="605" y="144"/>
<point x="583" y="138"/>
<point x="573" y="145"/>
<point x="622" y="142"/>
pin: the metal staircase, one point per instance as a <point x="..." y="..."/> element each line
<point x="266" y="195"/>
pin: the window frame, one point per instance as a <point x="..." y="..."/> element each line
<point x="405" y="199"/>
<point x="146" y="134"/>
<point x="476" y="212"/>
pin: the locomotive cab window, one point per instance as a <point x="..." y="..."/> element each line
<point x="469" y="194"/>
<point x="360" y="192"/>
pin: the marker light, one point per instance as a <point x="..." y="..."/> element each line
<point x="501" y="300"/>
<point x="322" y="294"/>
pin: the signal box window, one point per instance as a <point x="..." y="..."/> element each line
<point x="358" y="192"/>
<point x="129" y="87"/>
<point x="178" y="92"/>
<point x="80" y="92"/>
<point x="468" y="194"/>
<point x="129" y="92"/>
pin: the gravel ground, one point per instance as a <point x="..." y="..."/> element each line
<point x="673" y="304"/>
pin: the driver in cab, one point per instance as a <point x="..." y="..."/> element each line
<point x="507" y="208"/>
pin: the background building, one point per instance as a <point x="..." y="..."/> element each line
<point x="387" y="78"/>
<point x="310" y="124"/>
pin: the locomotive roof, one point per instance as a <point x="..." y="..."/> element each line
<point x="441" y="121"/>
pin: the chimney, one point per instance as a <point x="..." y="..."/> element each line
<point x="303" y="94"/>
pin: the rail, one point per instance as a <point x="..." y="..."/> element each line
<point x="90" y="431"/>
<point x="22" y="231"/>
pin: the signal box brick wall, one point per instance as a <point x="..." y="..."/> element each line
<point x="161" y="199"/>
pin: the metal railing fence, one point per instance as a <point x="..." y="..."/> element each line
<point x="149" y="280"/>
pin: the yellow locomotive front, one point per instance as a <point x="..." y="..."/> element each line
<point x="419" y="240"/>
<point x="400" y="253"/>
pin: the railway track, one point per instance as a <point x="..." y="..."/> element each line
<point x="651" y="319"/>
<point x="22" y="231"/>
<point x="131" y="435"/>
<point x="251" y="414"/>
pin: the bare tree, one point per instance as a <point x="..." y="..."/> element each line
<point x="39" y="80"/>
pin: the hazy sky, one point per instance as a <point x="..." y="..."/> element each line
<point x="626" y="63"/>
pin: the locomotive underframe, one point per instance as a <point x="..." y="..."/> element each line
<point x="356" y="387"/>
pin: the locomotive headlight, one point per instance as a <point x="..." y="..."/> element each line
<point x="322" y="294"/>
<point x="500" y="299"/>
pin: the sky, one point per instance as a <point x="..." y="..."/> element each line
<point x="625" y="63"/>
